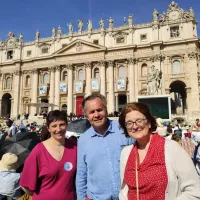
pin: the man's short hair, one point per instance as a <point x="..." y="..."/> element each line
<point x="94" y="96"/>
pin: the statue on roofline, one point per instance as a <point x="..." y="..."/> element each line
<point x="80" y="25"/>
<point x="101" y="23"/>
<point x="70" y="26"/>
<point x="111" y="22"/>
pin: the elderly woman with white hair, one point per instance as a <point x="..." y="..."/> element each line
<point x="161" y="129"/>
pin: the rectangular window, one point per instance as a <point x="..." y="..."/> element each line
<point x="120" y="40"/>
<point x="45" y="50"/>
<point x="96" y="41"/>
<point x="143" y="37"/>
<point x="174" y="32"/>
<point x="28" y="53"/>
<point x="10" y="55"/>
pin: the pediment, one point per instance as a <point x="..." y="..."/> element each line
<point x="80" y="46"/>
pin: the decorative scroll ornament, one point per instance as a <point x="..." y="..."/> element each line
<point x="174" y="13"/>
<point x="12" y="41"/>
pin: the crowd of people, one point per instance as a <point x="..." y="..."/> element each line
<point x="137" y="157"/>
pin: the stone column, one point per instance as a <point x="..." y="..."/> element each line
<point x="111" y="100"/>
<point x="70" y="89"/>
<point x="1" y="81"/>
<point x="116" y="102"/>
<point x="57" y="88"/>
<point x="193" y="105"/>
<point x="52" y="85"/>
<point x="12" y="105"/>
<point x="102" y="65"/>
<point x="131" y="79"/>
<point x="21" y="94"/>
<point x="88" y="78"/>
<point x="16" y="96"/>
<point x="136" y="77"/>
<point x="34" y="90"/>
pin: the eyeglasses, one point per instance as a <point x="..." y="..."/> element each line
<point x="138" y="122"/>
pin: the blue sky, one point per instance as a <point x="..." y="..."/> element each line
<point x="26" y="16"/>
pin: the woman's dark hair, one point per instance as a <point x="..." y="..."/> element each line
<point x="56" y="115"/>
<point x="140" y="107"/>
<point x="44" y="133"/>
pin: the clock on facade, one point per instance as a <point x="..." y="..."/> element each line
<point x="174" y="15"/>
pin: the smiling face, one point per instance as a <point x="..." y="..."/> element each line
<point x="141" y="131"/>
<point x="96" y="113"/>
<point x="57" y="129"/>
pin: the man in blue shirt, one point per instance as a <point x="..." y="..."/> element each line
<point x="99" y="148"/>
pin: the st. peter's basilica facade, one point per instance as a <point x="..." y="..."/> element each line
<point x="113" y="61"/>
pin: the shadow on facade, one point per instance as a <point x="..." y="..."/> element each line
<point x="178" y="97"/>
<point x="6" y="105"/>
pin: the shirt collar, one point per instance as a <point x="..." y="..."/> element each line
<point x="110" y="129"/>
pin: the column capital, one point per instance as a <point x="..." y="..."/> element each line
<point x="69" y="66"/>
<point x="88" y="65"/>
<point x="25" y="72"/>
<point x="51" y="69"/>
<point x="130" y="60"/>
<point x="193" y="55"/>
<point x="34" y="71"/>
<point x="110" y="62"/>
<point x="17" y="73"/>
<point x="102" y="63"/>
<point x="57" y="67"/>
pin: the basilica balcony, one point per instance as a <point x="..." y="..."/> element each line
<point x="175" y="76"/>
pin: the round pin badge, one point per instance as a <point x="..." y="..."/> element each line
<point x="68" y="166"/>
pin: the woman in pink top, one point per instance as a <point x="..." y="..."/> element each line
<point x="49" y="171"/>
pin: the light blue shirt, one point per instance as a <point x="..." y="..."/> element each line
<point x="98" y="168"/>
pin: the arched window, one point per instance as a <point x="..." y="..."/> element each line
<point x="8" y="83"/>
<point x="121" y="72"/>
<point x="64" y="77"/>
<point x="28" y="81"/>
<point x="46" y="78"/>
<point x="144" y="70"/>
<point x="176" y="69"/>
<point x="96" y="73"/>
<point x="81" y="75"/>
